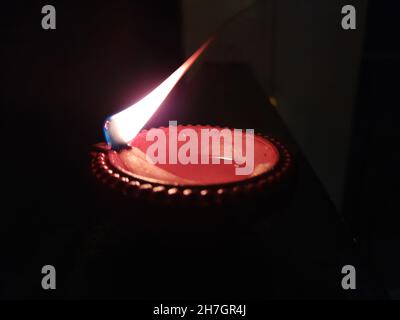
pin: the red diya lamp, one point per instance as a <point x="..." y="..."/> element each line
<point x="122" y="165"/>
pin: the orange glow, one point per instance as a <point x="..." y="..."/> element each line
<point x="122" y="127"/>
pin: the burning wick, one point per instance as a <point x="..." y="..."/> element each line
<point x="122" y="127"/>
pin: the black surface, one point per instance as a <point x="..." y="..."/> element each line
<point x="296" y="251"/>
<point x="371" y="194"/>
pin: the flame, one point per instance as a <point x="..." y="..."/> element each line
<point x="122" y="127"/>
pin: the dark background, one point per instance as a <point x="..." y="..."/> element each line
<point x="58" y="87"/>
